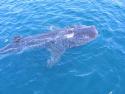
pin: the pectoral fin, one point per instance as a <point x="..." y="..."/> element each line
<point x="56" y="52"/>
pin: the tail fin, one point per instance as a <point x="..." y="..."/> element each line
<point x="3" y="53"/>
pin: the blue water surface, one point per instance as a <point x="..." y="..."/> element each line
<point x="95" y="68"/>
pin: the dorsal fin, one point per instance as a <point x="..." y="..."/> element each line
<point x="17" y="39"/>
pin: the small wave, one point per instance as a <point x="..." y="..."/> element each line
<point x="118" y="3"/>
<point x="85" y="74"/>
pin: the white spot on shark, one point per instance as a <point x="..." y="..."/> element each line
<point x="69" y="35"/>
<point x="86" y="37"/>
<point x="57" y="37"/>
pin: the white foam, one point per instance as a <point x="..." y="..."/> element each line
<point x="69" y="35"/>
<point x="6" y="40"/>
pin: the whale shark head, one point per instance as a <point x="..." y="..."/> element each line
<point x="81" y="35"/>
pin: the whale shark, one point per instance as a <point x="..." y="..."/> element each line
<point x="56" y="41"/>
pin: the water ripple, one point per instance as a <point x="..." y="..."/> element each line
<point x="97" y="67"/>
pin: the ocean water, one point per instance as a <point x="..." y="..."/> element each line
<point x="95" y="68"/>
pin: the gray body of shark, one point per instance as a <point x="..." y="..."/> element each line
<point x="56" y="41"/>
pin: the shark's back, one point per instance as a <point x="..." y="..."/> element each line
<point x="55" y="41"/>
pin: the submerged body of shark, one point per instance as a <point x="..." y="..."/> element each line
<point x="56" y="42"/>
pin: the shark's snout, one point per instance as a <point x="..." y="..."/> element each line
<point x="94" y="32"/>
<point x="89" y="33"/>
